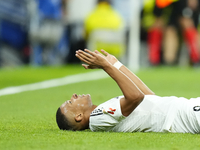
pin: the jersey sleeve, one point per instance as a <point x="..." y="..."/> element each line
<point x="106" y="116"/>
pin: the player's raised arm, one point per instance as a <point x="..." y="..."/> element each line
<point x="132" y="94"/>
<point x="112" y="59"/>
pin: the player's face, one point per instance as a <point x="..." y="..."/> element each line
<point x="77" y="103"/>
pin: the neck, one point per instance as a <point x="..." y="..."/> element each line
<point x="89" y="111"/>
<point x="87" y="116"/>
<point x="93" y="107"/>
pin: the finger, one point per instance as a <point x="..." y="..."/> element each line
<point x="83" y="53"/>
<point x="82" y="59"/>
<point x="90" y="52"/>
<point x="97" y="52"/>
<point x="104" y="52"/>
<point x="88" y="66"/>
<point x="83" y="56"/>
<point x="85" y="66"/>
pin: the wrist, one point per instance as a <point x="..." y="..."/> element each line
<point x="117" y="65"/>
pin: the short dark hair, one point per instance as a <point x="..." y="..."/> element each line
<point x="62" y="121"/>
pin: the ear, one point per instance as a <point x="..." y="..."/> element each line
<point x="79" y="117"/>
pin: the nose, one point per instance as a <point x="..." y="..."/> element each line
<point x="75" y="96"/>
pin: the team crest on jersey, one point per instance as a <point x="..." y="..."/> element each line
<point x="196" y="108"/>
<point x="110" y="111"/>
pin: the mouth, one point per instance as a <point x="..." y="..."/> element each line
<point x="88" y="95"/>
<point x="82" y="95"/>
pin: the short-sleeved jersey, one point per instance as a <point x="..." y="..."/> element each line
<point x="154" y="114"/>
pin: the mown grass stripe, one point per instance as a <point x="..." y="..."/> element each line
<point x="55" y="82"/>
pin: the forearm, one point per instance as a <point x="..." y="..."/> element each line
<point x="136" y="80"/>
<point x="112" y="59"/>
<point x="133" y="96"/>
<point x="128" y="88"/>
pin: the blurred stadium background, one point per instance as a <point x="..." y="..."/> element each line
<point x="47" y="32"/>
<point x="38" y="40"/>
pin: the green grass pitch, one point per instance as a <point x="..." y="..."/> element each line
<point x="27" y="119"/>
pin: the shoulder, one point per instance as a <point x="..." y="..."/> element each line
<point x="106" y="115"/>
<point x="114" y="101"/>
<point x="112" y="104"/>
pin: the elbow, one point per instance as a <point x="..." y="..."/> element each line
<point x="136" y="97"/>
<point x="140" y="97"/>
<point x="150" y="93"/>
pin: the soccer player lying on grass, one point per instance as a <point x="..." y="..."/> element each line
<point x="138" y="110"/>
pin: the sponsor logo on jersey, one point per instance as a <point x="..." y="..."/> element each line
<point x="196" y="108"/>
<point x="97" y="112"/>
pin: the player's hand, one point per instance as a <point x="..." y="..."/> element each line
<point x="92" y="59"/>
<point x="110" y="58"/>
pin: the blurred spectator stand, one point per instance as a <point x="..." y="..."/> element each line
<point x="104" y="29"/>
<point x="174" y="21"/>
<point x="47" y="35"/>
<point x="14" y="26"/>
<point x="76" y="11"/>
<point x="123" y="7"/>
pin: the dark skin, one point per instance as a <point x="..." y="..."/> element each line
<point x="131" y="86"/>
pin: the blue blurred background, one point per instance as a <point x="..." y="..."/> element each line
<point x="48" y="32"/>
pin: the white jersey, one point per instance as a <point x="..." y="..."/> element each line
<point x="154" y="114"/>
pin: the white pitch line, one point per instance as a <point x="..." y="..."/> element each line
<point x="55" y="82"/>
